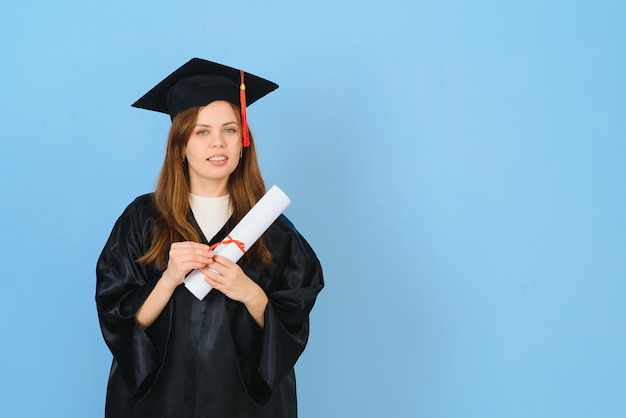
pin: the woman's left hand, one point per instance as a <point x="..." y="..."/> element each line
<point x="236" y="285"/>
<point x="231" y="280"/>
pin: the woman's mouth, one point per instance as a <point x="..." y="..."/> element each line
<point x="217" y="158"/>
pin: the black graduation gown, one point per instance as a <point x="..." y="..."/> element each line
<point x="203" y="358"/>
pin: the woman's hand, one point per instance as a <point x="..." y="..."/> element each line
<point x="236" y="285"/>
<point x="229" y="279"/>
<point x="184" y="257"/>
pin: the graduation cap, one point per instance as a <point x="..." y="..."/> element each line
<point x="200" y="82"/>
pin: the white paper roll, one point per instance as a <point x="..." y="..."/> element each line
<point x="247" y="231"/>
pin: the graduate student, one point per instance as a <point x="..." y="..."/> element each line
<point x="232" y="353"/>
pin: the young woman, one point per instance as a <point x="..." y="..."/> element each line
<point x="231" y="354"/>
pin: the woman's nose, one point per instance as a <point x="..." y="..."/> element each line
<point x="217" y="140"/>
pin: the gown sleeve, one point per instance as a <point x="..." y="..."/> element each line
<point x="121" y="288"/>
<point x="266" y="356"/>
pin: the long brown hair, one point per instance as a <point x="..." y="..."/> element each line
<point x="171" y="197"/>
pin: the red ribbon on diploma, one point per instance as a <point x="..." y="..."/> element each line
<point x="230" y="240"/>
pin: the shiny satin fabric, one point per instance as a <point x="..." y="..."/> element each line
<point x="203" y="358"/>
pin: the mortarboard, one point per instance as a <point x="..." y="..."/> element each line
<point x="200" y="82"/>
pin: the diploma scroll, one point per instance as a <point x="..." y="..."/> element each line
<point x="247" y="231"/>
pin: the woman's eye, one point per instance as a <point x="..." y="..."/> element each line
<point x="230" y="130"/>
<point x="202" y="132"/>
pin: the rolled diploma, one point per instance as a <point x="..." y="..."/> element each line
<point x="248" y="231"/>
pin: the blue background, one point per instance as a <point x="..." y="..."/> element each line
<point x="458" y="167"/>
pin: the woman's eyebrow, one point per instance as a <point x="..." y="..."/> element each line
<point x="224" y="124"/>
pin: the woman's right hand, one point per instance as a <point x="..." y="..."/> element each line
<point x="184" y="257"/>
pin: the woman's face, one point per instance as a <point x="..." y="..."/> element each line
<point x="213" y="149"/>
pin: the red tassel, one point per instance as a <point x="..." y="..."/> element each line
<point x="244" y="119"/>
